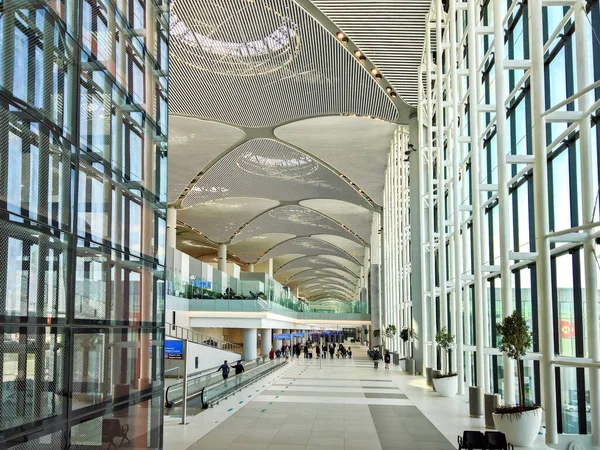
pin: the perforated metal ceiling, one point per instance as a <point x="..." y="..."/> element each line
<point x="251" y="249"/>
<point x="355" y="146"/>
<point x="194" y="140"/>
<point x="220" y="218"/>
<point x="316" y="262"/>
<point x="261" y="63"/>
<point x="265" y="168"/>
<point x="389" y="32"/>
<point x="299" y="221"/>
<point x="356" y="218"/>
<point x="306" y="246"/>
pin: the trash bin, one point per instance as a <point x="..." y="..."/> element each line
<point x="429" y="375"/>
<point x="476" y="407"/>
<point x="396" y="358"/>
<point x="492" y="401"/>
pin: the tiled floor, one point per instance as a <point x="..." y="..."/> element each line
<point x="330" y="404"/>
<point x="321" y="405"/>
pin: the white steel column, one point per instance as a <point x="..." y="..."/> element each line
<point x="588" y="163"/>
<point x="474" y="74"/>
<point x="456" y="191"/>
<point x="250" y="344"/>
<point x="266" y="340"/>
<point x="250" y="267"/>
<point x="502" y="149"/>
<point x="171" y="227"/>
<point x="441" y="169"/>
<point x="222" y="261"/>
<point x="540" y="179"/>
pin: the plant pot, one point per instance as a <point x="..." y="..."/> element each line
<point x="447" y="386"/>
<point x="520" y="429"/>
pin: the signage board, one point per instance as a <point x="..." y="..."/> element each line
<point x="202" y="284"/>
<point x="173" y="349"/>
<point x="298" y="334"/>
<point x="281" y="336"/>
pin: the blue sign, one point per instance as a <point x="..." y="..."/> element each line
<point x="202" y="284"/>
<point x="173" y="349"/>
<point x="281" y="336"/>
<point x="298" y="334"/>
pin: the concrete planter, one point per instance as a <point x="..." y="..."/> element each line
<point x="520" y="429"/>
<point x="447" y="386"/>
<point x="429" y="375"/>
<point x="492" y="402"/>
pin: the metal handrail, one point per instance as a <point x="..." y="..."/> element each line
<point x="196" y="337"/>
<point x="200" y="380"/>
<point x="224" y="388"/>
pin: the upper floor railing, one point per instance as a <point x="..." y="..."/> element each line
<point x="177" y="332"/>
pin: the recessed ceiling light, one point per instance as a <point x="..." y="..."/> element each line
<point x="393" y="94"/>
<point x="374" y="71"/>
<point x="388" y="89"/>
<point x="359" y="54"/>
<point x="341" y="36"/>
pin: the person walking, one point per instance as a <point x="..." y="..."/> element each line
<point x="305" y="350"/>
<point x="376" y="358"/>
<point x="224" y="368"/>
<point x="318" y="350"/>
<point x="350" y="352"/>
<point x="272" y="355"/>
<point x="387" y="359"/>
<point x="331" y="350"/>
<point x="239" y="368"/>
<point x="278" y="353"/>
<point x="324" y="352"/>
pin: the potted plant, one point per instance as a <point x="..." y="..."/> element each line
<point x="446" y="383"/>
<point x="521" y="422"/>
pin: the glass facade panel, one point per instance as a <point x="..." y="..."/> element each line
<point x="82" y="222"/>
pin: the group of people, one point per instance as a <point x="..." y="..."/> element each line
<point x="377" y="357"/>
<point x="225" y="369"/>
<point x="321" y="350"/>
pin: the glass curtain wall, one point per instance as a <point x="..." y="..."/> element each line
<point x="83" y="124"/>
<point x="397" y="305"/>
<point x="508" y="164"/>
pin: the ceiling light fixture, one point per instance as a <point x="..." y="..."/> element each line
<point x="359" y="54"/>
<point x="341" y="36"/>
<point x="388" y="89"/>
<point x="393" y="94"/>
<point x="374" y="71"/>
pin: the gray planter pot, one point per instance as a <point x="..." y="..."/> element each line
<point x="429" y="375"/>
<point x="476" y="407"/>
<point x="411" y="366"/>
<point x="492" y="401"/>
<point x="433" y="375"/>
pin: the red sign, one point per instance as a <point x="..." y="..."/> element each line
<point x="567" y="329"/>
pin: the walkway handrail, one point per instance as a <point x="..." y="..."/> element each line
<point x="175" y="331"/>
<point x="224" y="388"/>
<point x="200" y="380"/>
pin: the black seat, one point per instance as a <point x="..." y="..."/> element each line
<point x="111" y="428"/>
<point x="472" y="440"/>
<point x="497" y="441"/>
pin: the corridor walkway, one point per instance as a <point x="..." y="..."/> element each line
<point x="325" y="404"/>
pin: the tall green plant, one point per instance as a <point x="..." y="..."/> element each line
<point x="444" y="340"/>
<point x="515" y="339"/>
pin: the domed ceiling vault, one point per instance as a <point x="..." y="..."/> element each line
<point x="254" y="86"/>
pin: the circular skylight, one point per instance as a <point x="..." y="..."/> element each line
<point x="233" y="43"/>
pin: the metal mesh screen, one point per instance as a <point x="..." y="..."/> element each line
<point x="32" y="375"/>
<point x="315" y="262"/>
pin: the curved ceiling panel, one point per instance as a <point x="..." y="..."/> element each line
<point x="356" y="218"/>
<point x="317" y="262"/>
<point x="194" y="244"/>
<point x="326" y="283"/>
<point x="307" y="246"/>
<point x="219" y="219"/>
<point x="255" y="63"/>
<point x="194" y="140"/>
<point x="299" y="221"/>
<point x="394" y="46"/>
<point x="266" y="168"/>
<point x="251" y="249"/>
<point x="349" y="264"/>
<point x="326" y="272"/>
<point x="352" y="247"/>
<point x="355" y="146"/>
